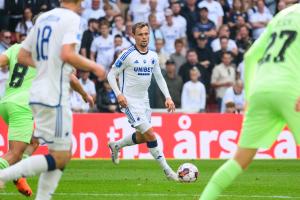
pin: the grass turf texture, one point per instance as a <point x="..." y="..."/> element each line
<point x="143" y="179"/>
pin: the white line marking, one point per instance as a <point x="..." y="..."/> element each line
<point x="158" y="195"/>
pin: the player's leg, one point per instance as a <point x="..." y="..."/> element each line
<point x="129" y="140"/>
<point x="261" y="127"/>
<point x="19" y="135"/>
<point x="147" y="133"/>
<point x="59" y="143"/>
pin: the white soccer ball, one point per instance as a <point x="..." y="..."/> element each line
<point x="187" y="172"/>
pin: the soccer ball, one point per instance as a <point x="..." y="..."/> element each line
<point x="187" y="172"/>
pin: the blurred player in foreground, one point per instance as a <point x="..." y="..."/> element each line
<point x="272" y="89"/>
<point x="135" y="67"/>
<point x="52" y="47"/>
<point x="15" y="111"/>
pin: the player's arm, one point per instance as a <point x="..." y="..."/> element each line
<point x="69" y="55"/>
<point x="25" y="56"/>
<point x="112" y="76"/>
<point x="75" y="85"/>
<point x="163" y="87"/>
<point x="3" y="60"/>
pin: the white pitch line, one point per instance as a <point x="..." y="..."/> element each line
<point x="158" y="195"/>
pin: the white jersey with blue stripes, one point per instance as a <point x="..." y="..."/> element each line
<point x="135" y="70"/>
<point x="53" y="29"/>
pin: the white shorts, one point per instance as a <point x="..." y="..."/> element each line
<point x="53" y="126"/>
<point x="139" y="116"/>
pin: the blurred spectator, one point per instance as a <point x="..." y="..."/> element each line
<point x="240" y="71"/>
<point x="224" y="32"/>
<point x="237" y="11"/>
<point x="160" y="15"/>
<point x="171" y="32"/>
<point x="5" y="40"/>
<point x="236" y="95"/>
<point x="129" y="35"/>
<point x="260" y="19"/>
<point x="191" y="14"/>
<point x="124" y="5"/>
<point x="162" y="56"/>
<point x="4" y="14"/>
<point x="42" y="5"/>
<point x="94" y="12"/>
<point x="174" y="83"/>
<point x="281" y="5"/>
<point x="114" y="5"/>
<point x="223" y="77"/>
<point x="178" y="20"/>
<point x="25" y="24"/>
<point x="139" y="11"/>
<point x="224" y="48"/>
<point x="243" y="41"/>
<point x="193" y="96"/>
<point x="118" y="26"/>
<point x="77" y="103"/>
<point x="215" y="11"/>
<point x="162" y="5"/>
<point x="192" y="61"/>
<point x="119" y="45"/>
<point x="109" y="14"/>
<point x="230" y="107"/>
<point x="16" y="8"/>
<point x="226" y="9"/>
<point x="106" y="99"/>
<point x="206" y="57"/>
<point x="88" y="36"/>
<point x="178" y="58"/>
<point x="254" y="7"/>
<point x="103" y="46"/>
<point x="204" y="26"/>
<point x="154" y="31"/>
<point x="4" y="75"/>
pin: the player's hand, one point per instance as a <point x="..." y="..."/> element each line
<point x="170" y="105"/>
<point x="297" y="107"/>
<point x="89" y="99"/>
<point x="122" y="101"/>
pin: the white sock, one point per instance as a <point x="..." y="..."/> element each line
<point x="48" y="182"/>
<point x="28" y="167"/>
<point x="159" y="156"/>
<point x="128" y="140"/>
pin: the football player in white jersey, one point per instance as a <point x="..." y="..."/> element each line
<point x="134" y="68"/>
<point x="52" y="47"/>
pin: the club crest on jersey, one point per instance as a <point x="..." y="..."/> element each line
<point x="118" y="63"/>
<point x="152" y="61"/>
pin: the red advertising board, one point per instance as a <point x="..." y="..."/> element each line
<point x="182" y="136"/>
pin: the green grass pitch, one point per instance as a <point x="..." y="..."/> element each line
<point x="143" y="179"/>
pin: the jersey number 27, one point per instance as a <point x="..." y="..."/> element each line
<point x="288" y="36"/>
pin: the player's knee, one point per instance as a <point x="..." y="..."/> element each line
<point x="149" y="135"/>
<point x="13" y="156"/>
<point x="58" y="160"/>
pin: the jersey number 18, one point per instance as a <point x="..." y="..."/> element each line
<point x="42" y="43"/>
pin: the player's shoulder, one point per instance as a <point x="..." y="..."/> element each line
<point x="60" y="14"/>
<point x="125" y="53"/>
<point x="15" y="47"/>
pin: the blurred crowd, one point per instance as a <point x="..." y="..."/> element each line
<point x="200" y="44"/>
